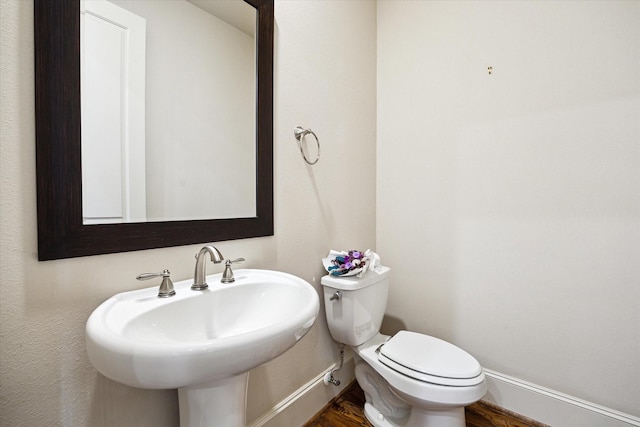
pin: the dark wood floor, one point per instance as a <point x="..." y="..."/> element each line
<point x="346" y="410"/>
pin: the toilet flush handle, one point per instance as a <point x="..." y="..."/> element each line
<point x="336" y="296"/>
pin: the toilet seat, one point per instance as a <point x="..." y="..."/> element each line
<point x="415" y="391"/>
<point x="431" y="360"/>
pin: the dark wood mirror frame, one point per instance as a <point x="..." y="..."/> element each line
<point x="61" y="233"/>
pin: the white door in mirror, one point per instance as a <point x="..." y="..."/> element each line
<point x="112" y="79"/>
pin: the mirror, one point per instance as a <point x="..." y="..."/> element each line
<point x="62" y="231"/>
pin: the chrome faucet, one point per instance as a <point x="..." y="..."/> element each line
<point x="200" y="274"/>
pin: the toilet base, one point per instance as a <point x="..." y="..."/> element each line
<point x="385" y="407"/>
<point x="453" y="417"/>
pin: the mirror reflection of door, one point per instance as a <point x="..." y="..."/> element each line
<point x="113" y="113"/>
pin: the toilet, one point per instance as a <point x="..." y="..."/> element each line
<point x="409" y="379"/>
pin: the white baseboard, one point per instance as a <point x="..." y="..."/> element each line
<point x="308" y="400"/>
<point x="549" y="406"/>
<point x="530" y="400"/>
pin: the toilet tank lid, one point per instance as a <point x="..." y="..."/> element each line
<point x="354" y="282"/>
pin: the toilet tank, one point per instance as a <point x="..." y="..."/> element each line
<point x="356" y="316"/>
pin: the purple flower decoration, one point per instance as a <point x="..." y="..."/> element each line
<point x="342" y="264"/>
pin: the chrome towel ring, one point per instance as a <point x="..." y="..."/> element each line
<point x="300" y="133"/>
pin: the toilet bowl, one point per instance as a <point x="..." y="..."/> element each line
<point x="409" y="379"/>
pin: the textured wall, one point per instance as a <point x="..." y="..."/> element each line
<point x="508" y="203"/>
<point x="325" y="80"/>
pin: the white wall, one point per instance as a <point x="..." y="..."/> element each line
<point x="321" y="82"/>
<point x="327" y="85"/>
<point x="508" y="205"/>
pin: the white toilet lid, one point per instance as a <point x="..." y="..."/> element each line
<point x="430" y="359"/>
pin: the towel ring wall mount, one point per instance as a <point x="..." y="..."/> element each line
<point x="300" y="133"/>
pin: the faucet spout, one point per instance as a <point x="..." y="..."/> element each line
<point x="200" y="273"/>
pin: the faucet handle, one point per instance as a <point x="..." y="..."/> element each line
<point x="166" y="287"/>
<point x="227" y="275"/>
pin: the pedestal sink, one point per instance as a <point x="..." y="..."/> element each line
<point x="201" y="342"/>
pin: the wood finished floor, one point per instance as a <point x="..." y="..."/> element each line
<point x="346" y="410"/>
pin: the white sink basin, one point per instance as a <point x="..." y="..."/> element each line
<point x="201" y="342"/>
<point x="196" y="337"/>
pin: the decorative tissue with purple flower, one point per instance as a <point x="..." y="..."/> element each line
<point x="349" y="263"/>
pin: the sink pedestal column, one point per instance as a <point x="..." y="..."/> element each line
<point x="216" y="403"/>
